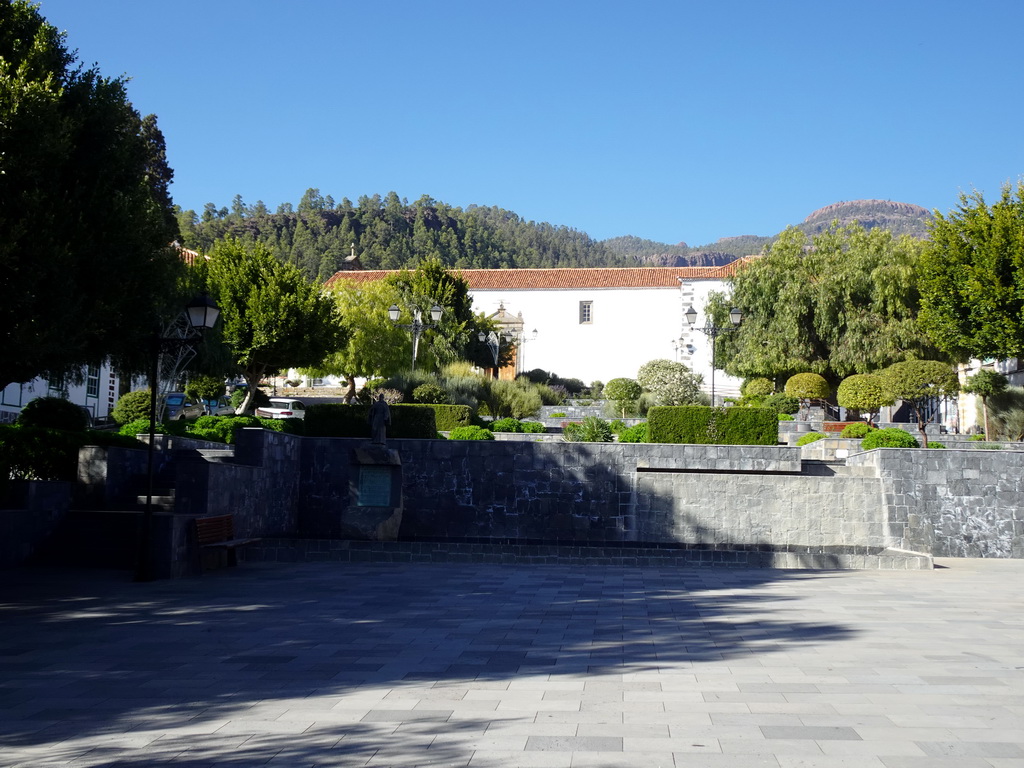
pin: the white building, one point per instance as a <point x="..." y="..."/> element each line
<point x="98" y="393"/>
<point x="597" y="324"/>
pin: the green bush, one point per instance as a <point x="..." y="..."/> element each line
<point x="448" y="417"/>
<point x="341" y="420"/>
<point x="590" y="430"/>
<point x="54" y="413"/>
<point x="557" y="415"/>
<point x="517" y="399"/>
<point x="808" y="386"/>
<point x="634" y="434"/>
<point x="140" y="427"/>
<point x="532" y="427"/>
<point x="472" y="432"/>
<point x="431" y="393"/>
<point x="260" y="398"/>
<point x="780" y="402"/>
<point x="507" y="425"/>
<point x="622" y="395"/>
<point x="977" y="438"/>
<point x="617" y="426"/>
<point x="785" y="416"/>
<point x="933" y="444"/>
<point x="857" y="430"/>
<point x="131" y="406"/>
<point x="715" y="426"/>
<point x="810" y="437"/>
<point x="891" y="437"/>
<point x="757" y="387"/>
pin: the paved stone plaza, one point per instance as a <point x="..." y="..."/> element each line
<point x="486" y="665"/>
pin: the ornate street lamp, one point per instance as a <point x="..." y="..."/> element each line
<point x="493" y="341"/>
<point x="177" y="340"/>
<point x="417" y="326"/>
<point x="713" y="331"/>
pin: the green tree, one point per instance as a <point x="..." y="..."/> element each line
<point x="972" y="277"/>
<point x="863" y="392"/>
<point x="986" y="383"/>
<point x="273" y="318"/>
<point x="919" y="383"/>
<point x="842" y="302"/>
<point x="374" y="346"/>
<point x="671" y="383"/>
<point x="85" y="217"/>
<point x="623" y="394"/>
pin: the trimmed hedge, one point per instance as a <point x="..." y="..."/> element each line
<point x="704" y="425"/>
<point x="810" y="437"/>
<point x="471" y="432"/>
<point x="340" y="420"/>
<point x="448" y="417"/>
<point x="890" y="437"/>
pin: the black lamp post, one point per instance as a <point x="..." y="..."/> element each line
<point x="417" y="326"/>
<point x="713" y="331"/>
<point x="201" y="314"/>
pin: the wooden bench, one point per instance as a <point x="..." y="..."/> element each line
<point x="217" y="543"/>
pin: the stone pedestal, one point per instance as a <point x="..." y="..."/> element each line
<point x="375" y="495"/>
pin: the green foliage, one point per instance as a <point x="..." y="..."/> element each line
<point x="669" y="382"/>
<point x="532" y="427"/>
<point x="590" y="430"/>
<point x="890" y="437"/>
<point x="85" y="214"/>
<point x="986" y="383"/>
<point x="863" y="392"/>
<point x="391" y="233"/>
<point x="856" y="431"/>
<point x="551" y="395"/>
<point x="808" y="386"/>
<point x="38" y="453"/>
<point x="507" y="425"/>
<point x="131" y="406"/>
<point x="340" y="420"/>
<point x="140" y="427"/>
<point x="933" y="444"/>
<point x="841" y="302"/>
<point x="557" y="415"/>
<point x="259" y="397"/>
<point x="916" y="382"/>
<point x="714" y="426"/>
<point x="635" y="434"/>
<point x="623" y="394"/>
<point x="757" y="387"/>
<point x="1006" y="411"/>
<point x="785" y="416"/>
<point x="971" y="277"/>
<point x="782" y="403"/>
<point x="54" y="413"/>
<point x="448" y="417"/>
<point x="431" y="393"/>
<point x="810" y="437"/>
<point x="471" y="432"/>
<point x="205" y="387"/>
<point x="512" y="398"/>
<point x="273" y="318"/>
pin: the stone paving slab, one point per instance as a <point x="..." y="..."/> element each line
<point x="383" y="664"/>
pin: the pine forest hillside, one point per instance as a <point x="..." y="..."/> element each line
<point x="388" y="232"/>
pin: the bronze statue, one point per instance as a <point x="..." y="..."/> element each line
<point x="380" y="418"/>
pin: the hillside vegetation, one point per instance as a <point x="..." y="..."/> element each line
<point x="320" y="236"/>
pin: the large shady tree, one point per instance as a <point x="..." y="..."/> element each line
<point x="86" y="271"/>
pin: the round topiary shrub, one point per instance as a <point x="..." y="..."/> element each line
<point x="891" y="437"/>
<point x="54" y="413"/>
<point x="757" y="387"/>
<point x="471" y="432"/>
<point x="808" y="386"/>
<point x="131" y="406"/>
<point x="810" y="437"/>
<point x="431" y="393"/>
<point x="857" y="430"/>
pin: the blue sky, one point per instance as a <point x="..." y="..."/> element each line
<point x="673" y="121"/>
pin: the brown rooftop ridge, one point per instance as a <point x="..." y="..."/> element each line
<point x="567" y="277"/>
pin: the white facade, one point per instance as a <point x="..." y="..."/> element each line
<point x="98" y="394"/>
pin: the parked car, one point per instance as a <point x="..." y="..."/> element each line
<point x="219" y="406"/>
<point x="178" y="406"/>
<point x="282" y="408"/>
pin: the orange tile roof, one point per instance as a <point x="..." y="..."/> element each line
<point x="568" y="278"/>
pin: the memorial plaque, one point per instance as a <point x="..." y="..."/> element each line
<point x="375" y="486"/>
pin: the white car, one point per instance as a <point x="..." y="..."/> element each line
<point x="282" y="408"/>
